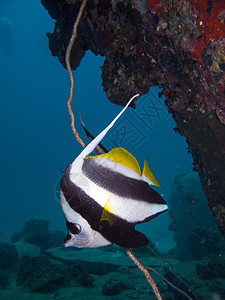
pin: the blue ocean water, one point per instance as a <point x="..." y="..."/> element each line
<point x="37" y="143"/>
<point x="36" y="138"/>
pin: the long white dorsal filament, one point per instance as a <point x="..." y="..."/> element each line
<point x="91" y="146"/>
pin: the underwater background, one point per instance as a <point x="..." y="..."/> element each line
<point x="37" y="141"/>
<point x="37" y="138"/>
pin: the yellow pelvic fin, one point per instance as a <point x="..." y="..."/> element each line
<point x="108" y="206"/>
<point x="107" y="214"/>
<point x="123" y="157"/>
<point x="147" y="172"/>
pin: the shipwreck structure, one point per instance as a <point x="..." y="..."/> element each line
<point x="176" y="45"/>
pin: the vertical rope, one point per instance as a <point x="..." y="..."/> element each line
<point x="145" y="272"/>
<point x="67" y="59"/>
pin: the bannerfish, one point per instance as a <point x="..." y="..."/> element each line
<point x="103" y="197"/>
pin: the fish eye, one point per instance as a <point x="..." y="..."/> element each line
<point x="75" y="229"/>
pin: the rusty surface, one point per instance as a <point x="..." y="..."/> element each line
<point x="175" y="45"/>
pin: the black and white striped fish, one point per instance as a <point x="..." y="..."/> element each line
<point x="103" y="197"/>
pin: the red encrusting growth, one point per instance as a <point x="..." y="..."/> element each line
<point x="154" y="5"/>
<point x="211" y="21"/>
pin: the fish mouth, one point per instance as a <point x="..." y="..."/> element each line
<point x="79" y="241"/>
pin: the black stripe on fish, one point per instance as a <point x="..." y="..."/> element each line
<point x="120" y="184"/>
<point x="117" y="231"/>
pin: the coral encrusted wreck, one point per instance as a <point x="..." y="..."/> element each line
<point x="176" y="45"/>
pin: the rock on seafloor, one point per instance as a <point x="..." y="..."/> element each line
<point x="36" y="237"/>
<point x="8" y="256"/>
<point x="103" y="273"/>
<point x="40" y="274"/>
<point x="175" y="45"/>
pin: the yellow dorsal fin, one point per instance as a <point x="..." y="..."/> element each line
<point x="148" y="174"/>
<point x="123" y="157"/>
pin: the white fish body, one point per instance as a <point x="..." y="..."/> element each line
<point x="103" y="197"/>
